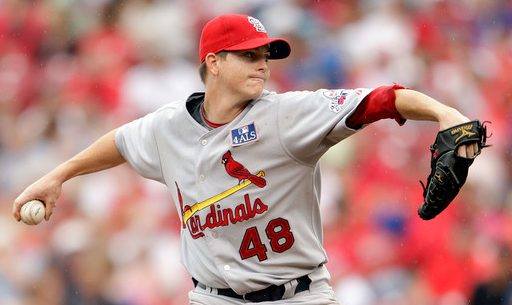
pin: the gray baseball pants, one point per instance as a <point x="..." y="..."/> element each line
<point x="320" y="293"/>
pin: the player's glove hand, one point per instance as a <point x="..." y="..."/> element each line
<point x="448" y="170"/>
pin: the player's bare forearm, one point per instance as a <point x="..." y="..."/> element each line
<point x="102" y="154"/>
<point x="415" y="105"/>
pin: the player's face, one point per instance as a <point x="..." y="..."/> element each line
<point x="245" y="72"/>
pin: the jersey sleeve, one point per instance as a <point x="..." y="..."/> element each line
<point x="379" y="104"/>
<point x="137" y="144"/>
<point x="310" y="122"/>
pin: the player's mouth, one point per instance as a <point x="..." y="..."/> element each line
<point x="257" y="78"/>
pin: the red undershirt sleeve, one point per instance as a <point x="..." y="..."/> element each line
<point x="379" y="104"/>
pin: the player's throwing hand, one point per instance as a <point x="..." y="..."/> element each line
<point x="47" y="189"/>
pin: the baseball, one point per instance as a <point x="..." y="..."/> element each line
<point x="32" y="212"/>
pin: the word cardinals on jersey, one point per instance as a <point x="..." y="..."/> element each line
<point x="218" y="217"/>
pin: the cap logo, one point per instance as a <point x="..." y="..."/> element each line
<point x="256" y="24"/>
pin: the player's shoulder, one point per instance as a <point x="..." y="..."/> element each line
<point x="318" y="94"/>
<point x="273" y="96"/>
<point x="164" y="115"/>
<point x="169" y="110"/>
<point x="170" y="107"/>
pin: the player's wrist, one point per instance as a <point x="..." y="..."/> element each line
<point x="449" y="117"/>
<point x="62" y="173"/>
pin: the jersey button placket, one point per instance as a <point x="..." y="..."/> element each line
<point x="202" y="177"/>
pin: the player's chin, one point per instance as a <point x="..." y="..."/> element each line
<point x="254" y="89"/>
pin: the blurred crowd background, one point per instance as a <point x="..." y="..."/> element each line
<point x="71" y="70"/>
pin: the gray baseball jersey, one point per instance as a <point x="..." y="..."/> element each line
<point x="247" y="192"/>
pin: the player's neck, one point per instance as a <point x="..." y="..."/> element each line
<point x="221" y="107"/>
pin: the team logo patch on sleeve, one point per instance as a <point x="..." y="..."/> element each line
<point x="336" y="99"/>
<point x="243" y="135"/>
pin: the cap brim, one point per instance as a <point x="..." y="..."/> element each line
<point x="279" y="48"/>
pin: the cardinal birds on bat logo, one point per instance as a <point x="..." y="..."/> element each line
<point x="238" y="171"/>
<point x="219" y="216"/>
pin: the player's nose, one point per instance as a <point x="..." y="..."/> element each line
<point x="263" y="66"/>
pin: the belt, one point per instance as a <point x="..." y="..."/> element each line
<point x="271" y="293"/>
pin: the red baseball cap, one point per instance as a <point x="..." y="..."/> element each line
<point x="234" y="32"/>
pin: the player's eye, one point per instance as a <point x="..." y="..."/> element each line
<point x="253" y="56"/>
<point x="249" y="55"/>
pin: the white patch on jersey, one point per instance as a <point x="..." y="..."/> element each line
<point x="256" y="24"/>
<point x="336" y="99"/>
<point x="243" y="135"/>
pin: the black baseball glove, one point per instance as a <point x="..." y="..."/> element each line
<point x="448" y="170"/>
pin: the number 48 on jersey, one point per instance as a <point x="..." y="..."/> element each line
<point x="278" y="233"/>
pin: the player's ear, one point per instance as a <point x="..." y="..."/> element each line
<point x="212" y="63"/>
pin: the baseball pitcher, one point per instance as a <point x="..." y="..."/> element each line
<point x="241" y="164"/>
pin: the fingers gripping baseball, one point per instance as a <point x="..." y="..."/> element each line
<point x="45" y="189"/>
